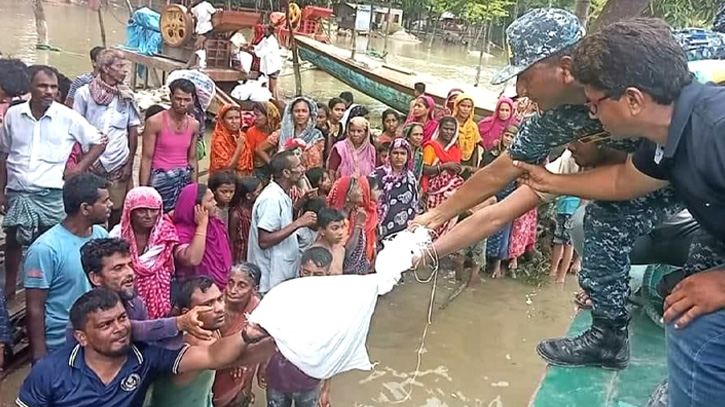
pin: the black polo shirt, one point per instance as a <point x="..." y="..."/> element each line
<point x="62" y="379"/>
<point x="693" y="158"/>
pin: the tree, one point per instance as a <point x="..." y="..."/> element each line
<point x="41" y="26"/>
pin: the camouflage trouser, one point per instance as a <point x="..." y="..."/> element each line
<point x="610" y="230"/>
<point x="477" y="253"/>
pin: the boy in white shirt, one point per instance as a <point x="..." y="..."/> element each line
<point x="203" y="12"/>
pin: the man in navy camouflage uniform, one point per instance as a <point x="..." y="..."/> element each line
<point x="539" y="45"/>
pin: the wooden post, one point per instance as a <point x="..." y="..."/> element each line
<point x="370" y="25"/>
<point x="100" y="24"/>
<point x="582" y="11"/>
<point x="354" y="34"/>
<point x="616" y="10"/>
<point x="295" y="56"/>
<point x="387" y="27"/>
<point x="480" y="57"/>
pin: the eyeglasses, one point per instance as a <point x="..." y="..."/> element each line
<point x="594" y="105"/>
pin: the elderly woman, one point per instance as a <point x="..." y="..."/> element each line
<point x="229" y="148"/>
<point x="354" y="156"/>
<point x="155" y="247"/>
<point x="299" y="122"/>
<point x="195" y="216"/>
<point x="397" y="206"/>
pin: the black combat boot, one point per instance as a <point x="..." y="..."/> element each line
<point x="605" y="344"/>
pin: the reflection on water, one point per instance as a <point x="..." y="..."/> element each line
<point x="479" y="351"/>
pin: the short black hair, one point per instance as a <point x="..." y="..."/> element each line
<point x="98" y="299"/>
<point x="329" y="215"/>
<point x="334" y="101"/>
<point x="64" y="84"/>
<point x="184" y="85"/>
<point x="318" y="255"/>
<point x="314" y="205"/>
<point x="220" y="178"/>
<point x="81" y="189"/>
<point x="347" y="97"/>
<point x="383" y="147"/>
<point x="245" y="185"/>
<point x="96" y="52"/>
<point x="251" y="270"/>
<point x="34" y="70"/>
<point x="14" y="78"/>
<point x="419" y="87"/>
<point x="280" y="162"/>
<point x="640" y="52"/>
<point x="152" y="111"/>
<point x="94" y="251"/>
<point x="314" y="175"/>
<point x="189" y="286"/>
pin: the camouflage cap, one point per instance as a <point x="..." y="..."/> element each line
<point x="536" y="35"/>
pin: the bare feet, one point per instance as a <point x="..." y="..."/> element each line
<point x="474" y="279"/>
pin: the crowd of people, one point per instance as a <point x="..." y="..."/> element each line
<point x="150" y="286"/>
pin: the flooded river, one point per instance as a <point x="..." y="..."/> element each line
<point x="479" y="351"/>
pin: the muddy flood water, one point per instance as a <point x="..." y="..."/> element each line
<point x="479" y="351"/>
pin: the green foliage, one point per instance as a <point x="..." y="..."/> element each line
<point x="685" y="13"/>
<point x="486" y="10"/>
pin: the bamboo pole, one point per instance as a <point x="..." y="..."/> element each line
<point x="295" y="55"/>
<point x="387" y="28"/>
<point x="101" y="25"/>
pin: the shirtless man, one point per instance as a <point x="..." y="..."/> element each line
<point x="331" y="235"/>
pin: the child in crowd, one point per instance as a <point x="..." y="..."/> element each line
<point x="375" y="191"/>
<point x="563" y="250"/>
<point x="240" y="218"/>
<point x="391" y="122"/>
<point x="307" y="236"/>
<point x="337" y="111"/>
<point x="320" y="179"/>
<point x="223" y="184"/>
<point x="323" y="115"/>
<point x="383" y="154"/>
<point x="331" y="234"/>
<point x="348" y="98"/>
<point x="285" y="382"/>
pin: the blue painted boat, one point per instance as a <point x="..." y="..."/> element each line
<point x="391" y="85"/>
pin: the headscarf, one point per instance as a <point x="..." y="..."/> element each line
<point x="310" y="134"/>
<point x="431" y="125"/>
<point x="271" y="111"/>
<point x="468" y="135"/>
<point x="153" y="279"/>
<point x="451" y="100"/>
<point x="356" y="161"/>
<point x="390" y="177"/>
<point x="258" y="34"/>
<point x="338" y="196"/>
<point x="492" y="128"/>
<point x="224" y="143"/>
<point x="416" y="163"/>
<point x="355" y="110"/>
<point x="217" y="260"/>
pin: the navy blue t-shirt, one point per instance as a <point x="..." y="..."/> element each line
<point x="62" y="379"/>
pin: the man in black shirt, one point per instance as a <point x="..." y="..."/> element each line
<point x="637" y="83"/>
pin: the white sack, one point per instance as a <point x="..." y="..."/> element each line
<point x="320" y="324"/>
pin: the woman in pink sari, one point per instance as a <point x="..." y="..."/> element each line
<point x="194" y="215"/>
<point x="355" y="156"/>
<point x="155" y="247"/>
<point x="492" y="127"/>
<point x="423" y="112"/>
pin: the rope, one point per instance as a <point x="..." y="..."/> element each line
<point x="430" y="252"/>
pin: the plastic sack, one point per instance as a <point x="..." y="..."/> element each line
<point x="142" y="32"/>
<point x="205" y="87"/>
<point x="320" y="324"/>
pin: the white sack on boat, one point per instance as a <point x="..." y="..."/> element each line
<point x="320" y="324"/>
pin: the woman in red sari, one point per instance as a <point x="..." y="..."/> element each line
<point x="423" y="112"/>
<point x="442" y="167"/>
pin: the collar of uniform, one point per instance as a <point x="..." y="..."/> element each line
<point x="50" y="111"/>
<point x="77" y="360"/>
<point x="684" y="105"/>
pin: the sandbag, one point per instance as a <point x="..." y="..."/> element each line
<point x="205" y="87"/>
<point x="320" y="324"/>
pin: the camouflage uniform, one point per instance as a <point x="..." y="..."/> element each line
<point x="610" y="228"/>
<point x="700" y="44"/>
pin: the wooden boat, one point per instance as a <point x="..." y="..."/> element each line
<point x="387" y="83"/>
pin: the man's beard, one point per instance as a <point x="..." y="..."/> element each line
<point x="127" y="295"/>
<point x="115" y="354"/>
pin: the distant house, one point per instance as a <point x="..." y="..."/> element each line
<point x="349" y="15"/>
